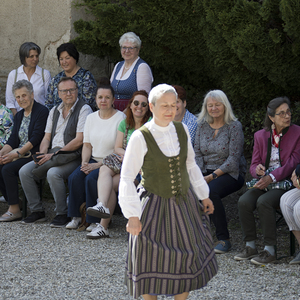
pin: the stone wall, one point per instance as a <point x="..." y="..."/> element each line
<point x="47" y="23"/>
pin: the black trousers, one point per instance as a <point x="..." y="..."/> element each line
<point x="9" y="174"/>
<point x="220" y="188"/>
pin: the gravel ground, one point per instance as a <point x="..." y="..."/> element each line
<point x="39" y="262"/>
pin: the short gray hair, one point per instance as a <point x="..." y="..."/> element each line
<point x="219" y="96"/>
<point x="25" y="49"/>
<point x="132" y="38"/>
<point x="22" y="83"/>
<point x="159" y="90"/>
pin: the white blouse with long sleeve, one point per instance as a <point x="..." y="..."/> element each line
<point x="167" y="140"/>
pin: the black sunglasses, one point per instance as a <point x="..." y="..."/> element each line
<point x="136" y="103"/>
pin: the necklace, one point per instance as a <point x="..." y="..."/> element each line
<point x="127" y="67"/>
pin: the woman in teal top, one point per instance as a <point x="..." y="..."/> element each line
<point x="137" y="114"/>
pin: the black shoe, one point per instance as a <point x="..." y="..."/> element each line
<point x="60" y="221"/>
<point x="35" y="217"/>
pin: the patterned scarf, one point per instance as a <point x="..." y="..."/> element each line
<point x="275" y="136"/>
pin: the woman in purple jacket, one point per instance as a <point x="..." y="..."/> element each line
<point x="276" y="153"/>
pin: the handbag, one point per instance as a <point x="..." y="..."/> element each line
<point x="59" y="158"/>
<point x="112" y="160"/>
<point x="285" y="184"/>
<point x="26" y="155"/>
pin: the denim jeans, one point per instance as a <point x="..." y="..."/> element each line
<point x="220" y="188"/>
<point x="83" y="188"/>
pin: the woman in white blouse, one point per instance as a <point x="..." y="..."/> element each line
<point x="170" y="250"/>
<point x="29" y="70"/>
<point x="100" y="132"/>
<point x="132" y="74"/>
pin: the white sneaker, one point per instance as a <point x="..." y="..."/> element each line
<point x="2" y="199"/>
<point x="99" y="211"/>
<point x="98" y="233"/>
<point x="74" y="223"/>
<point x="91" y="227"/>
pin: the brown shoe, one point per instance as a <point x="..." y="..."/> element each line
<point x="263" y="258"/>
<point x="247" y="254"/>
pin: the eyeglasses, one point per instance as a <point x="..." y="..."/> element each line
<point x="137" y="103"/>
<point x="127" y="48"/>
<point x="65" y="92"/>
<point x="283" y="114"/>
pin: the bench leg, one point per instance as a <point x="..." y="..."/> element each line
<point x="24" y="207"/>
<point x="292" y="243"/>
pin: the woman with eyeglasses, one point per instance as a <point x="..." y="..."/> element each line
<point x="68" y="57"/>
<point x="276" y="153"/>
<point x="132" y="74"/>
<point x="26" y="136"/>
<point x="137" y="114"/>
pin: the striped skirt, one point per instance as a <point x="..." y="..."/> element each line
<point x="174" y="252"/>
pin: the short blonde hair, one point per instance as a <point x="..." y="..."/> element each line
<point x="219" y="96"/>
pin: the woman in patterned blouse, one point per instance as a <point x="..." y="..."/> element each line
<point x="68" y="57"/>
<point x="26" y="136"/>
<point x="6" y="122"/>
<point x="219" y="154"/>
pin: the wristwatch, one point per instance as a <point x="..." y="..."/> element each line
<point x="214" y="175"/>
<point x="19" y="154"/>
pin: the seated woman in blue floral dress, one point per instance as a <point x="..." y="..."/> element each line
<point x="68" y="57"/>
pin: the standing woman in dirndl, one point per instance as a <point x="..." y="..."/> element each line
<point x="170" y="248"/>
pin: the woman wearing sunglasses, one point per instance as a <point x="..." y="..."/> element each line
<point x="132" y="74"/>
<point x="137" y="114"/>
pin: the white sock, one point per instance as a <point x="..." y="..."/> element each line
<point x="270" y="249"/>
<point x="251" y="244"/>
<point x="76" y="218"/>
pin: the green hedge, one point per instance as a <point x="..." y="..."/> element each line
<point x="248" y="49"/>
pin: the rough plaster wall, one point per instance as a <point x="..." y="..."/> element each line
<point x="48" y="23"/>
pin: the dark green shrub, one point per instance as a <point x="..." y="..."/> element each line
<point x="248" y="49"/>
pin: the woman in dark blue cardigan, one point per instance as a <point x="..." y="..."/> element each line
<point x="27" y="134"/>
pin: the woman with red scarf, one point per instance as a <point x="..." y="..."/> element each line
<point x="276" y="153"/>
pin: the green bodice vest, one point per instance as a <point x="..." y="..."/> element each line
<point x="165" y="176"/>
